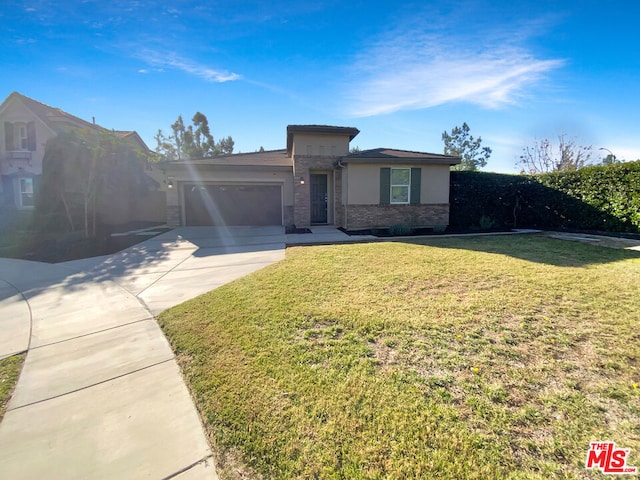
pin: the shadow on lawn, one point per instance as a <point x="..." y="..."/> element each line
<point x="538" y="248"/>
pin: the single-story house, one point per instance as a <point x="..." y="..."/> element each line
<point x="316" y="180"/>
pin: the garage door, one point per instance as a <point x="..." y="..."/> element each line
<point x="207" y="205"/>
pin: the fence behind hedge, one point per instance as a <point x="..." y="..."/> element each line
<point x="605" y="198"/>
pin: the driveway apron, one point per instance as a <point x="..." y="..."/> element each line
<point x="100" y="394"/>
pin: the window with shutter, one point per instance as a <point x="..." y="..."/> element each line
<point x="8" y="136"/>
<point x="400" y="185"/>
<point x="385" y="182"/>
<point x="31" y="136"/>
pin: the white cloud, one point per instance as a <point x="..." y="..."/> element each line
<point x="173" y="61"/>
<point x="415" y="71"/>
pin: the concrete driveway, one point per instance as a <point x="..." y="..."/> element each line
<point x="100" y="394"/>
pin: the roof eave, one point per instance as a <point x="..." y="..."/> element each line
<point x="402" y="160"/>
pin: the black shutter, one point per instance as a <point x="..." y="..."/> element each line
<point x="8" y="136"/>
<point x="31" y="136"/>
<point x="385" y="185"/>
<point x="415" y="185"/>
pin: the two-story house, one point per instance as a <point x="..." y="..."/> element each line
<point x="26" y="126"/>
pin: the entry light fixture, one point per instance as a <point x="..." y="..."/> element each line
<point x="301" y="180"/>
<point x="169" y="183"/>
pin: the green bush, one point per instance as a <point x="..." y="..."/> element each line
<point x="486" y="222"/>
<point x="603" y="198"/>
<point x="400" y="230"/>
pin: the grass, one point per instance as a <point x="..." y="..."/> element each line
<point x="478" y="357"/>
<point x="9" y="371"/>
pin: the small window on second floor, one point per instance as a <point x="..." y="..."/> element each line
<point x="20" y="135"/>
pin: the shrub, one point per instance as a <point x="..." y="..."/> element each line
<point x="486" y="222"/>
<point x="603" y="198"/>
<point x="400" y="230"/>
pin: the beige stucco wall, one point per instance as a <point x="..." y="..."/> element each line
<point x="320" y="145"/>
<point x="16" y="112"/>
<point x="180" y="175"/>
<point x="237" y="176"/>
<point x="363" y="183"/>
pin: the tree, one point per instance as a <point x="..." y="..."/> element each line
<point x="461" y="144"/>
<point x="610" y="159"/>
<point x="191" y="141"/>
<point x="224" y="146"/>
<point x="81" y="168"/>
<point x="542" y="157"/>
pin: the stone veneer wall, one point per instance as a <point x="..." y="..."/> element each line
<point x="338" y="206"/>
<point x="362" y="217"/>
<point x="302" y="165"/>
<point x="288" y="215"/>
<point x="173" y="215"/>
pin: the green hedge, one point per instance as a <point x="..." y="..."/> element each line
<point x="605" y="198"/>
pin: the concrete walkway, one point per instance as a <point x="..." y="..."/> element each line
<point x="100" y="394"/>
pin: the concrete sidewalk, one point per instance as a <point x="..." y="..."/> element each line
<point x="100" y="394"/>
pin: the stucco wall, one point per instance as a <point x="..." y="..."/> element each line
<point x="363" y="183"/>
<point x="180" y="174"/>
<point x="16" y="112"/>
<point x="320" y="145"/>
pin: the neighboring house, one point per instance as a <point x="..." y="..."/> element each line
<point x="26" y="126"/>
<point x="314" y="181"/>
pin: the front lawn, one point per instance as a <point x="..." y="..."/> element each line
<point x="478" y="357"/>
<point x="9" y="372"/>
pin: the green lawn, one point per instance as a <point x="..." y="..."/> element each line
<point x="9" y="371"/>
<point x="477" y="357"/>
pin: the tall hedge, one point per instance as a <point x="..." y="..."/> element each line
<point x="605" y="198"/>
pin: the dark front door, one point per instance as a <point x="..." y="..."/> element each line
<point x="319" y="198"/>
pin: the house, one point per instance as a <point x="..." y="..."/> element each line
<point x="26" y="126"/>
<point x="314" y="181"/>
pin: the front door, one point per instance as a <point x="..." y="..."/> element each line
<point x="319" y="198"/>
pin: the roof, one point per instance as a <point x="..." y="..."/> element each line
<point x="390" y="155"/>
<point x="351" y="132"/>
<point x="270" y="158"/>
<point x="50" y="115"/>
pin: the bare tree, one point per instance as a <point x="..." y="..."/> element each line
<point x="542" y="157"/>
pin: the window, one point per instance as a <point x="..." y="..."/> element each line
<point x="26" y="192"/>
<point x="21" y="136"/>
<point x="400" y="185"/>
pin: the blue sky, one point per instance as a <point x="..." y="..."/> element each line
<point x="401" y="72"/>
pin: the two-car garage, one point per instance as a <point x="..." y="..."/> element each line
<point x="232" y="204"/>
